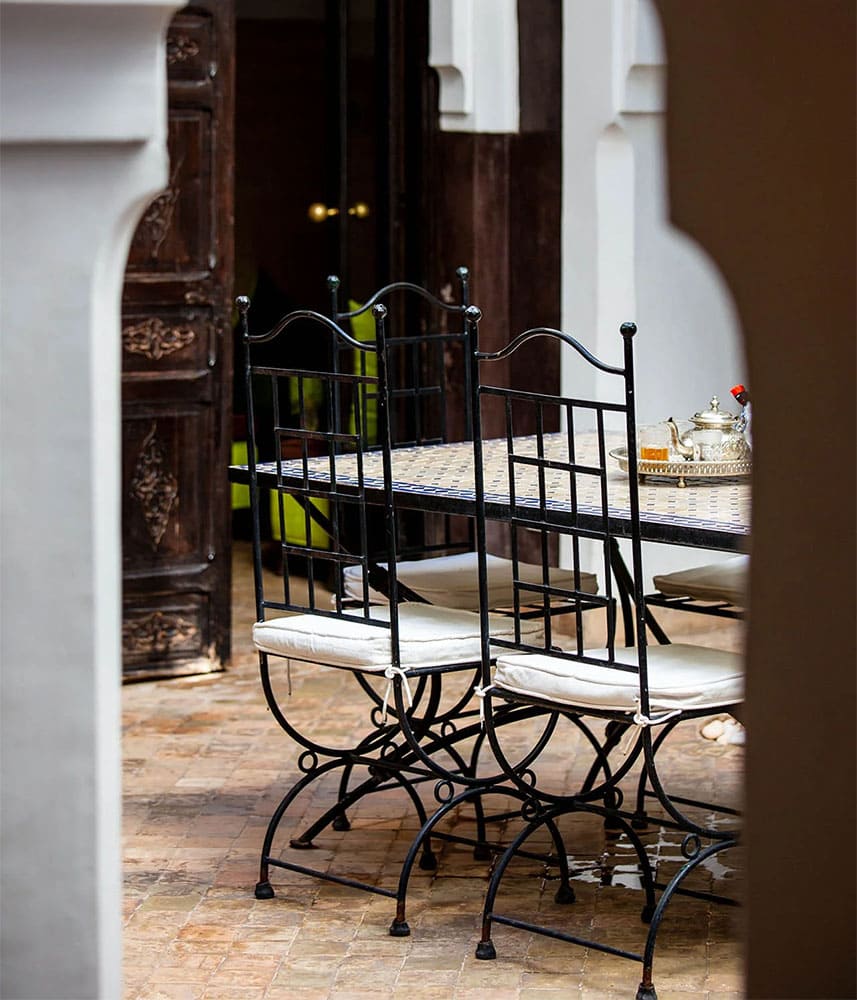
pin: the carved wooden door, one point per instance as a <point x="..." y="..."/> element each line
<point x="177" y="369"/>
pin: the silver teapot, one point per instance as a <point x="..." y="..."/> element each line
<point x="716" y="436"/>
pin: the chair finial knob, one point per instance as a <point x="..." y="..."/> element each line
<point x="628" y="329"/>
<point x="473" y="313"/>
<point x="332" y="282"/>
<point x="243" y="304"/>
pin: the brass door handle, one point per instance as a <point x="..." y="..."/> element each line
<point x="319" y="212"/>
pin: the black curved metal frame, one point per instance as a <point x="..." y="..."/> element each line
<point x="600" y="793"/>
<point x="388" y="760"/>
<point x="425" y="340"/>
<point x="422" y="341"/>
<point x="402" y="746"/>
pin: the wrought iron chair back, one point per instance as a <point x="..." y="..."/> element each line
<point x="541" y="492"/>
<point x="428" y="397"/>
<point x="407" y="643"/>
<point x="635" y="689"/>
<point x="300" y="430"/>
<point x="425" y="336"/>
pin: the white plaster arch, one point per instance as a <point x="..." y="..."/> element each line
<point x="622" y="258"/>
<point x="83" y="149"/>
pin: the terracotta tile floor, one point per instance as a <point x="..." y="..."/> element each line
<point x="205" y="765"/>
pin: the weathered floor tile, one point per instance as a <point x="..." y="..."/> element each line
<point x="205" y="767"/>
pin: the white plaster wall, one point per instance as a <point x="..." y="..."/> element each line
<point x="82" y="141"/>
<point x="474" y="48"/>
<point x="621" y="258"/>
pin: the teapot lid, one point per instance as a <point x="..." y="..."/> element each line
<point x="714" y="418"/>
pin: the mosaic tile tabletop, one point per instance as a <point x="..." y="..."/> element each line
<point x="711" y="513"/>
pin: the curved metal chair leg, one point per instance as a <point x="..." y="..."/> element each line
<point x="481" y="852"/>
<point x="263" y="886"/>
<point x="646" y="989"/>
<point x="367" y="787"/>
<point x="340" y="820"/>
<point x="485" y="948"/>
<point x="641" y="820"/>
<point x="399" y="927"/>
<point x="564" y="893"/>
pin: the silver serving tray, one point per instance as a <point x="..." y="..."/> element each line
<point x="682" y="469"/>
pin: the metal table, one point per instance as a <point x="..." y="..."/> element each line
<point x="706" y="513"/>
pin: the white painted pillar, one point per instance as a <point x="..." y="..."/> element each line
<point x="474" y="48"/>
<point x="82" y="138"/>
<point x="622" y="259"/>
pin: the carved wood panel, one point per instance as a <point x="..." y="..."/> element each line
<point x="174" y="236"/>
<point x="165" y="339"/>
<point x="191" y="47"/>
<point x="166" y="521"/>
<point x="165" y="633"/>
<point x="177" y="370"/>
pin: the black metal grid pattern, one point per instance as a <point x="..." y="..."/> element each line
<point x="537" y="503"/>
<point x="427" y="392"/>
<point x="424" y="344"/>
<point x="304" y="425"/>
<point x="534" y="472"/>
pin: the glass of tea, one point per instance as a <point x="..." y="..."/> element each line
<point x="653" y="441"/>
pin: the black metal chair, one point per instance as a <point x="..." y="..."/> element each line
<point x="637" y="690"/>
<point x="716" y="589"/>
<point x="429" y="403"/>
<point x="406" y="640"/>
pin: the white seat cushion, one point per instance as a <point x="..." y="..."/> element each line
<point x="453" y="581"/>
<point x="428" y="636"/>
<point x="723" y="581"/>
<point x="680" y="676"/>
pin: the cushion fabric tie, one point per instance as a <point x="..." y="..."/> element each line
<point x="391" y="672"/>
<point x="642" y="721"/>
<point x="480" y="693"/>
<point x="652" y="720"/>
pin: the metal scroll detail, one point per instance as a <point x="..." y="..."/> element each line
<point x="154" y="487"/>
<point x="155" y="339"/>
<point x="157" y="633"/>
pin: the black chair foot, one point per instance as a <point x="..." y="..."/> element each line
<point x="400" y="928"/>
<point x="486" y="950"/>
<point x="428" y="861"/>
<point x="646" y="914"/>
<point x="646" y="993"/>
<point x="564" y="894"/>
<point x="613" y="825"/>
<point x="640" y="821"/>
<point x="301" y="845"/>
<point x="264" y="890"/>
<point x="482" y="852"/>
<point x="341" y="822"/>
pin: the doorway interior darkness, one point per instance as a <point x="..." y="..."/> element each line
<point x="332" y="149"/>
